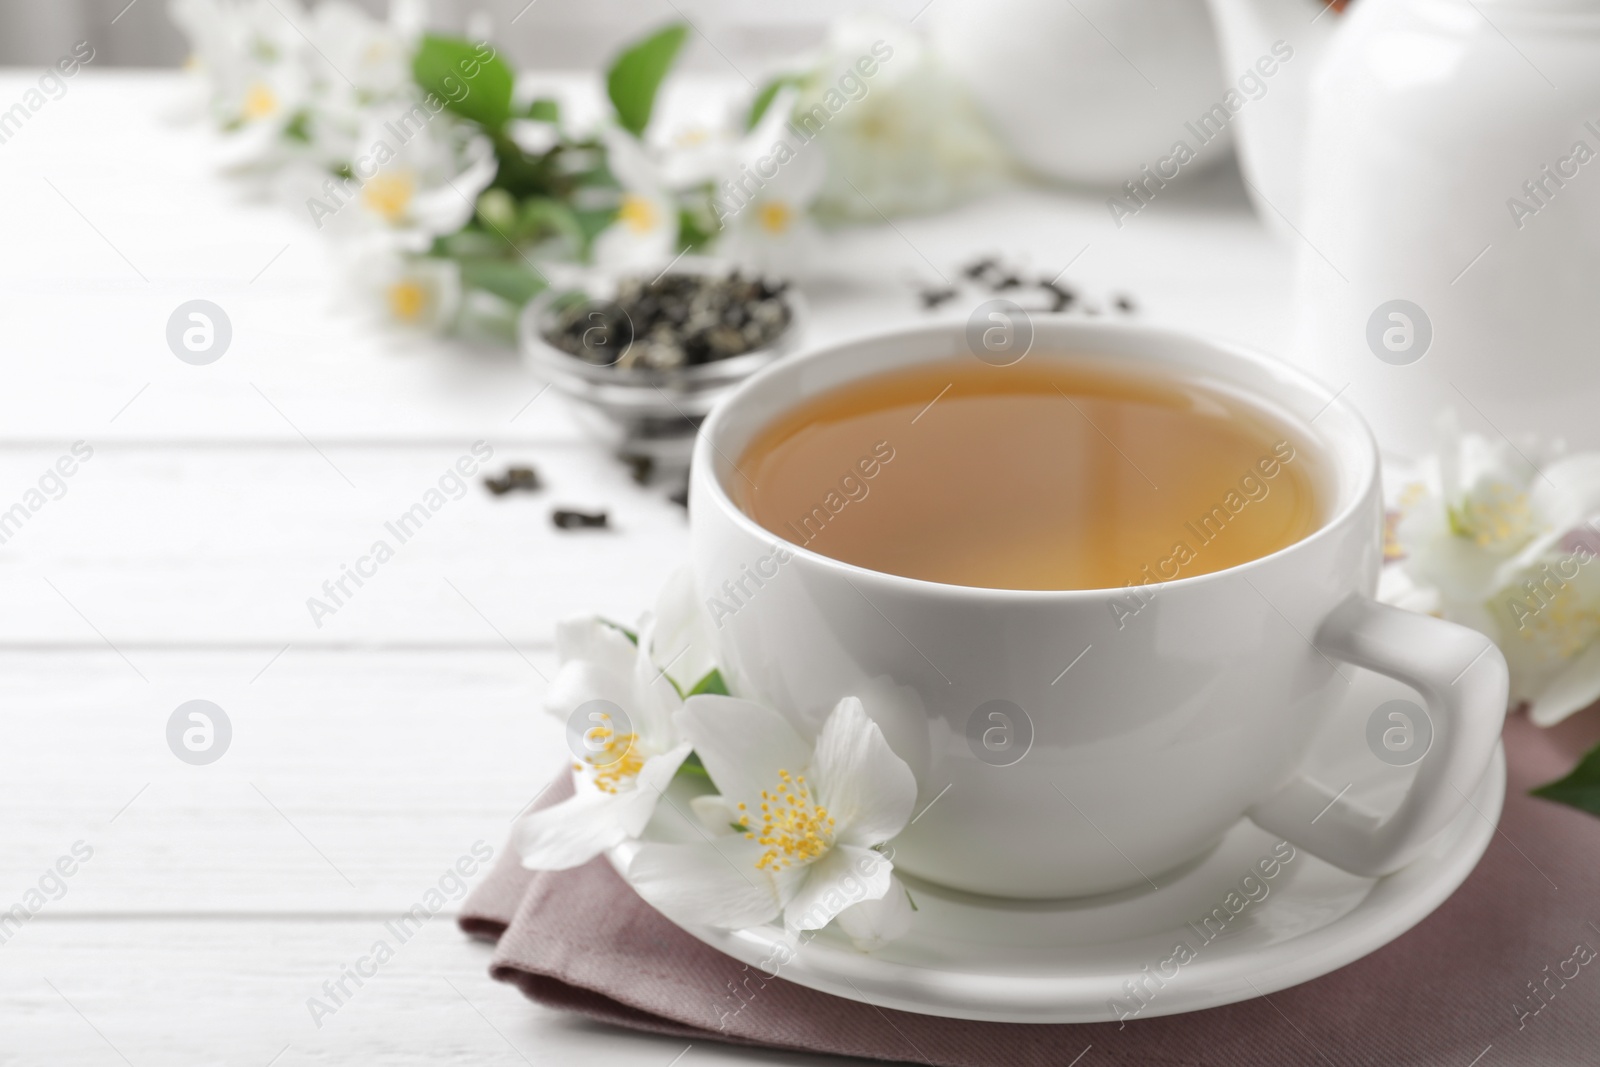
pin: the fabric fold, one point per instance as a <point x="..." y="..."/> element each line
<point x="1474" y="974"/>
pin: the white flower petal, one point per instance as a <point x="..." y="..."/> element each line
<point x="845" y="875"/>
<point x="582" y="827"/>
<point x="658" y="771"/>
<point x="682" y="638"/>
<point x="1397" y="586"/>
<point x="572" y="832"/>
<point x="655" y="699"/>
<point x="709" y="884"/>
<point x="596" y="664"/>
<point x="694" y="157"/>
<point x="450" y="205"/>
<point x="650" y="784"/>
<point x="580" y="681"/>
<point x="742" y="744"/>
<point x="794" y="253"/>
<point x="1573" y="688"/>
<point x="1570" y="484"/>
<point x="714" y="813"/>
<point x="871" y="924"/>
<point x="801" y="178"/>
<point x="596" y="641"/>
<point x="1455" y="565"/>
<point x="1447" y="452"/>
<point x="772" y="128"/>
<point x="532" y="136"/>
<point x="630" y="162"/>
<point x="869" y="791"/>
<point x="620" y="246"/>
<point x="482" y="166"/>
<point x="436" y="212"/>
<point x="1474" y="615"/>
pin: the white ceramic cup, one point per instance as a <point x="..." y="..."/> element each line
<point x="1073" y="747"/>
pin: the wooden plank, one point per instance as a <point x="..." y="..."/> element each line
<point x="351" y="779"/>
<point x="168" y="545"/>
<point x="102" y="993"/>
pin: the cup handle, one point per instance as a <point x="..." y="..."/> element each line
<point x="1463" y="678"/>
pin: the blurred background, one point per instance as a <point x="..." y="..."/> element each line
<point x="546" y="33"/>
<point x="262" y="321"/>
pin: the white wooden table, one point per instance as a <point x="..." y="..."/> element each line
<point x="371" y="753"/>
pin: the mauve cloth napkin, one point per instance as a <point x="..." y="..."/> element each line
<point x="1458" y="990"/>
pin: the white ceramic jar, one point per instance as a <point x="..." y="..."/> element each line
<point x="1288" y="38"/>
<point x="1452" y="163"/>
<point x="1090" y="91"/>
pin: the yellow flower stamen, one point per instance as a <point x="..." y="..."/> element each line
<point x="638" y="214"/>
<point x="389" y="194"/>
<point x="775" y="217"/>
<point x="873" y="128"/>
<point x="408" y="300"/>
<point x="1497" y="517"/>
<point x="259" y="101"/>
<point x="1562" y="625"/>
<point x="616" y="758"/>
<point x="1393" y="549"/>
<point x="794" y="828"/>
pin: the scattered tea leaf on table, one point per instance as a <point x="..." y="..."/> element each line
<point x="572" y="519"/>
<point x="1581" y="788"/>
<point x="524" y="478"/>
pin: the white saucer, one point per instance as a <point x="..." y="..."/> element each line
<point x="985" y="958"/>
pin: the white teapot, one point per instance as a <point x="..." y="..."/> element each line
<point x="1085" y="92"/>
<point x="1437" y="165"/>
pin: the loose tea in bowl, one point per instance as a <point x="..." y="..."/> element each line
<point x="646" y="356"/>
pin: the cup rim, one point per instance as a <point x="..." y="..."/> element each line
<point x="705" y="483"/>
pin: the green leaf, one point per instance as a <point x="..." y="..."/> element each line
<point x="512" y="281"/>
<point x="692" y="767"/>
<point x="544" y="109"/>
<point x="497" y="208"/>
<point x="1581" y="788"/>
<point x="594" y="221"/>
<point x="711" y="683"/>
<point x="543" y="217"/>
<point x="636" y="75"/>
<point x="912" y="901"/>
<point x="298" y="127"/>
<point x="469" y="79"/>
<point x="764" y="98"/>
<point x="629" y="634"/>
<point x="470" y="243"/>
<point x="696" y="228"/>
